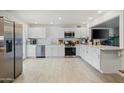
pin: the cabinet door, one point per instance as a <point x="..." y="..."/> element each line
<point x="42" y="33"/>
<point x="87" y="54"/>
<point x="31" y="51"/>
<point x="48" y="51"/>
<point x="61" y="51"/>
<point x="69" y="29"/>
<point x="96" y="59"/>
<point x="77" y="50"/>
<point x="80" y="51"/>
<point x="55" y="32"/>
<point x="77" y="32"/>
<point x="83" y="32"/>
<point x="54" y="51"/>
<point x="31" y="33"/>
<point x="37" y="32"/>
<point x="60" y="32"/>
<point x="93" y="57"/>
<point x="83" y="52"/>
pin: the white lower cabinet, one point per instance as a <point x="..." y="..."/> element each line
<point x="91" y="55"/>
<point x="61" y="51"/>
<point x="77" y="50"/>
<point x="96" y="58"/>
<point x="48" y="51"/>
<point x="54" y="51"/>
<point x="31" y="51"/>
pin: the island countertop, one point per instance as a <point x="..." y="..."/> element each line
<point x="103" y="47"/>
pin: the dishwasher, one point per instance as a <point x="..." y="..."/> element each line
<point x="40" y="51"/>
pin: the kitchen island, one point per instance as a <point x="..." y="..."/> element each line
<point x="106" y="59"/>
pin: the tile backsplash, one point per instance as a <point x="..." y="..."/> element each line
<point x="45" y="41"/>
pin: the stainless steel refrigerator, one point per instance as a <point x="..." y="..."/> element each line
<point x="10" y="50"/>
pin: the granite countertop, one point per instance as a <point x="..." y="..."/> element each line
<point x="103" y="47"/>
<point x="110" y="48"/>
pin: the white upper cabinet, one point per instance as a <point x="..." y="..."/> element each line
<point x="71" y="29"/>
<point x="55" y="32"/>
<point x="80" y="32"/>
<point x="77" y="32"/>
<point x="37" y="32"/>
<point x="83" y="32"/>
<point x="61" y="33"/>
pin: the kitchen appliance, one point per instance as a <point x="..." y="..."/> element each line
<point x="70" y="51"/>
<point x="69" y="34"/>
<point x="40" y="51"/>
<point x="33" y="41"/>
<point x="83" y="41"/>
<point x="10" y="50"/>
<point x="69" y="43"/>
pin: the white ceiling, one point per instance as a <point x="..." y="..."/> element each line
<point x="113" y="23"/>
<point x="46" y="16"/>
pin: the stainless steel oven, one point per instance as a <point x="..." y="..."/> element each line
<point x="70" y="51"/>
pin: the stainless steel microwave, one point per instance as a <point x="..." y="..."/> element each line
<point x="69" y="34"/>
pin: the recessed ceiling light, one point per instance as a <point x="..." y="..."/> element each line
<point x="84" y="23"/>
<point x="35" y="22"/>
<point x="51" y="23"/>
<point x="60" y="18"/>
<point x="99" y="12"/>
<point x="90" y="18"/>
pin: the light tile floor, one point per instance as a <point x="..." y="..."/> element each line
<point x="62" y="70"/>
